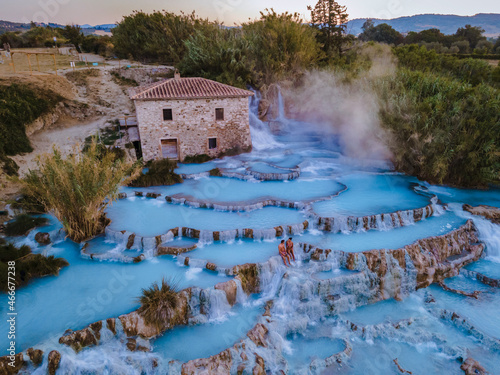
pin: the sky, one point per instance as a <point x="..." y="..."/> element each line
<point x="229" y="12"/>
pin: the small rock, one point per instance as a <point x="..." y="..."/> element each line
<point x="42" y="238"/>
<point x="7" y="369"/>
<point x="211" y="266"/>
<point x="54" y="361"/>
<point x="111" y="324"/>
<point x="36" y="356"/>
<point x="472" y="367"/>
<point x="131" y="344"/>
<point x="130" y="241"/>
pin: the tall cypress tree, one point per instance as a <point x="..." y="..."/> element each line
<point x="330" y="18"/>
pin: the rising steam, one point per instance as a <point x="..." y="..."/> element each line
<point x="347" y="108"/>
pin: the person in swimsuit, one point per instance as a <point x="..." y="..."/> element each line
<point x="289" y="250"/>
<point x="283" y="253"/>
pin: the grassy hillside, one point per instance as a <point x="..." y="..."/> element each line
<point x="20" y="105"/>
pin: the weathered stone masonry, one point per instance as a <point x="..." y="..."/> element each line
<point x="177" y="117"/>
<point x="193" y="123"/>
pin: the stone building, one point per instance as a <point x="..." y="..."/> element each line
<point x="182" y="117"/>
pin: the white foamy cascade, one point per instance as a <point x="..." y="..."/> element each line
<point x="488" y="232"/>
<point x="261" y="135"/>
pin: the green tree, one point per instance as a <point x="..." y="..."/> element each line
<point x="473" y="34"/>
<point x="220" y="54"/>
<point x="156" y="37"/>
<point x="39" y="36"/>
<point x="280" y="45"/>
<point x="100" y="45"/>
<point x="444" y="131"/>
<point x="330" y="19"/>
<point x="382" y="33"/>
<point x="73" y="33"/>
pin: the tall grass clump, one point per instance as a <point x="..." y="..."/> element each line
<point x="77" y="189"/>
<point x="444" y="131"/>
<point x="158" y="303"/>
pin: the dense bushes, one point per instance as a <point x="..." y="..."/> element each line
<point x="281" y="45"/>
<point x="445" y="131"/>
<point x="22" y="224"/>
<point x="219" y="54"/>
<point x="160" y="172"/>
<point x="28" y="265"/>
<point x="19" y="106"/>
<point x="273" y="47"/>
<point x="155" y="37"/>
<point x="469" y="70"/>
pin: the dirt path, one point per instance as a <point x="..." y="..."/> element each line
<point x="103" y="95"/>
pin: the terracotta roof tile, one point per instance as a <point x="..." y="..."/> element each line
<point x="186" y="88"/>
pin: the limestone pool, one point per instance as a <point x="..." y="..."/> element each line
<point x="327" y="313"/>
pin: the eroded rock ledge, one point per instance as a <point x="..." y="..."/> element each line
<point x="488" y="212"/>
<point x="384" y="273"/>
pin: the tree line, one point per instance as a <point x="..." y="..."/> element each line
<point x="467" y="40"/>
<point x="43" y="37"/>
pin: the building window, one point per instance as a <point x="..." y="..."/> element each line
<point x="167" y="115"/>
<point x="219" y="114"/>
<point x="212" y="143"/>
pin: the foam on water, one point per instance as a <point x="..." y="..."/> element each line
<point x="393" y="239"/>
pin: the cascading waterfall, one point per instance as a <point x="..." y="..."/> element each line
<point x="317" y="297"/>
<point x="262" y="138"/>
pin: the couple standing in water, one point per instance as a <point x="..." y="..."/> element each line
<point x="286" y="251"/>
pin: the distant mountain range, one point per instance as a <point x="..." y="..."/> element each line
<point x="448" y="24"/>
<point x="87" y="29"/>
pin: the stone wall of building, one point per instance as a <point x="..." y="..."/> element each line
<point x="193" y="123"/>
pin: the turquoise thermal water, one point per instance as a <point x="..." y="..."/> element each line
<point x="152" y="217"/>
<point x="486" y="267"/>
<point x="371" y="194"/>
<point x="301" y="350"/>
<point x="267" y="168"/>
<point x="195" y="168"/>
<point x="375" y="239"/>
<point x="481" y="312"/>
<point x="220" y="335"/>
<point x="237" y="252"/>
<point x="221" y="189"/>
<point x="474" y="197"/>
<point x="334" y="272"/>
<point x="87" y="291"/>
